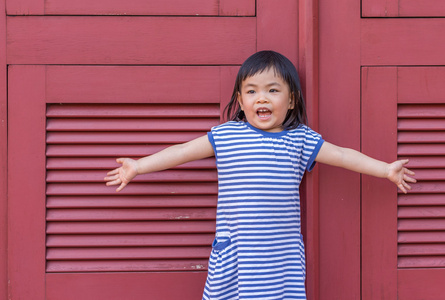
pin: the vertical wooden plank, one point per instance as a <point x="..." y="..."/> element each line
<point x="26" y="182"/>
<point x="3" y="158"/>
<point x="25" y="7"/>
<point x="339" y="106"/>
<point x="380" y="8"/>
<point x="228" y="75"/>
<point x="379" y="197"/>
<point x="277" y="27"/>
<point x="308" y="70"/>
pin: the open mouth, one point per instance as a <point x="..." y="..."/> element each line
<point x="263" y="113"/>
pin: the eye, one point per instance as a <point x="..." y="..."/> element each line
<point x="273" y="91"/>
<point x="250" y="92"/>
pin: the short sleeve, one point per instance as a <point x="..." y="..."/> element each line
<point x="312" y="145"/>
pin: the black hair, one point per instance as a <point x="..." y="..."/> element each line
<point x="283" y="67"/>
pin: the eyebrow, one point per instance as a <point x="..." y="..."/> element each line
<point x="254" y="85"/>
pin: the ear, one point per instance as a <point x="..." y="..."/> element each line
<point x="240" y="100"/>
<point x="292" y="100"/>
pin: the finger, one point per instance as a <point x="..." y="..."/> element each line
<point x="120" y="160"/>
<point x="121" y="187"/>
<point x="111" y="178"/>
<point x="114" y="182"/>
<point x="409" y="179"/>
<point x="408" y="171"/>
<point x="404" y="161"/>
<point x="113" y="172"/>
<point x="402" y="188"/>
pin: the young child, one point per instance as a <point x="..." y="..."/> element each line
<point x="261" y="155"/>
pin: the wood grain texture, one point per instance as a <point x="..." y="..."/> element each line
<point x="156" y="285"/>
<point x="132" y="7"/>
<point x="403" y="8"/>
<point x="138" y="85"/>
<point x="26" y="177"/>
<point x="379" y="209"/>
<point x="404" y="41"/>
<point x="339" y="190"/>
<point x="136" y="40"/>
<point x="3" y="158"/>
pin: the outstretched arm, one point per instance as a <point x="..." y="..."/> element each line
<point x="169" y="157"/>
<point x="356" y="161"/>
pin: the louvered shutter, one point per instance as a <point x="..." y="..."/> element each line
<point x="161" y="221"/>
<point x="403" y="236"/>
<point x="421" y="215"/>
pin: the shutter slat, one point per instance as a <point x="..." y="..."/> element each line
<point x="428" y="187"/>
<point x="421" y="199"/>
<point x="118" y="137"/>
<point x="422" y="262"/>
<point x="66" y="227"/>
<point x="430" y="174"/>
<point x="179" y="188"/>
<point x="165" y="176"/>
<point x="421" y="149"/>
<point x="421" y="111"/>
<point x="422" y="212"/>
<point x="75" y="163"/>
<point x="89" y="124"/>
<point x="430" y="162"/>
<point x="127" y="265"/>
<point x="133" y="111"/>
<point x="128" y="253"/>
<point x="92" y="214"/>
<point x="421" y="224"/>
<point x="102" y="150"/>
<point x="426" y="249"/>
<point x="131" y="201"/>
<point x="421" y="237"/>
<point x="418" y="124"/>
<point x="421" y="137"/>
<point x="129" y="240"/>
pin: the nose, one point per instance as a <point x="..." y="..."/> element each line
<point x="262" y="98"/>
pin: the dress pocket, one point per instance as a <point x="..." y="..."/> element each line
<point x="220" y="243"/>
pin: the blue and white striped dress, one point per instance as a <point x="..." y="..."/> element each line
<point x="258" y="252"/>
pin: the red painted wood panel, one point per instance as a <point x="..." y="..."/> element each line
<point x="26" y="177"/>
<point x="117" y="40"/>
<point x="156" y="285"/>
<point x="132" y="7"/>
<point x="3" y="158"/>
<point x="278" y="33"/>
<point x="308" y="13"/>
<point x="428" y="84"/>
<point x="429" y="281"/>
<point x="141" y="84"/>
<point x="403" y="41"/>
<point x="339" y="109"/>
<point x="379" y="208"/>
<point x="403" y="8"/>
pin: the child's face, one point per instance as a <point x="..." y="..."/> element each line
<point x="265" y="99"/>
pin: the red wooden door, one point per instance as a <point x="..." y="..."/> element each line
<point x="86" y="86"/>
<point x="381" y="91"/>
<point x="403" y="241"/>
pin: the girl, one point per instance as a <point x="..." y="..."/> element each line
<point x="261" y="155"/>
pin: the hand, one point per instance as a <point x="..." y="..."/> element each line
<point x="124" y="174"/>
<point x="398" y="174"/>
